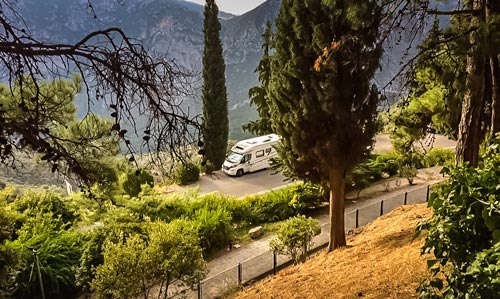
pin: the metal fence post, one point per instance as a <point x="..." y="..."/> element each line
<point x="275" y="263"/>
<point x="427" y="195"/>
<point x="199" y="290"/>
<point x="381" y="207"/>
<point x="239" y="274"/>
<point x="357" y="218"/>
<point x="406" y="198"/>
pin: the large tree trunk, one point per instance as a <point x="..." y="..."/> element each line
<point x="495" y="96"/>
<point x="469" y="129"/>
<point x="493" y="8"/>
<point x="337" y="193"/>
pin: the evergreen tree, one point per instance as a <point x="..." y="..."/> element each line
<point x="325" y="108"/>
<point x="215" y="126"/>
<point x="258" y="94"/>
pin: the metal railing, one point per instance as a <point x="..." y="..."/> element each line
<point x="263" y="265"/>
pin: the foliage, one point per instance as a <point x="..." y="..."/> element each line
<point x="118" y="74"/>
<point x="293" y="105"/>
<point x="171" y="253"/>
<point x="214" y="227"/>
<point x="439" y="156"/>
<point x="215" y="127"/>
<point x="156" y="207"/>
<point x="123" y="271"/>
<point x="34" y="203"/>
<point x="58" y="252"/>
<point x="294" y="237"/>
<point x="94" y="144"/>
<point x="93" y="247"/>
<point x="270" y="207"/>
<point x="132" y="180"/>
<point x="258" y="94"/>
<point x="437" y="85"/>
<point x="464" y="233"/>
<point x="387" y="162"/>
<point x="306" y="196"/>
<point x="325" y="107"/>
<point x="437" y="90"/>
<point x="186" y="174"/>
<point x="409" y="173"/>
<point x="362" y="176"/>
<point x="8" y="256"/>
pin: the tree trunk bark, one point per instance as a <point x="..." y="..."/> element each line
<point x="337" y="193"/>
<point x="492" y="8"/>
<point x="469" y="128"/>
<point x="495" y="96"/>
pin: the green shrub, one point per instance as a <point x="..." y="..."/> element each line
<point x="33" y="203"/>
<point x="133" y="268"/>
<point x="409" y="173"/>
<point x="388" y="162"/>
<point x="271" y="207"/>
<point x="464" y="232"/>
<point x="306" y="196"/>
<point x="159" y="207"/>
<point x="132" y="180"/>
<point x="294" y="237"/>
<point x="186" y="174"/>
<point x="211" y="201"/>
<point x="58" y="251"/>
<point x="439" y="156"/>
<point x="214" y="227"/>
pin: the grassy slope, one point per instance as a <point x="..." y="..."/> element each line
<point x="381" y="261"/>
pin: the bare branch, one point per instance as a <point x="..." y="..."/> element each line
<point x="453" y="12"/>
<point x="116" y="71"/>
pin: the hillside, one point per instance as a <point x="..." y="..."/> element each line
<point x="381" y="261"/>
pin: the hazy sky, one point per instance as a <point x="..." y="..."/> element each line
<point x="236" y="7"/>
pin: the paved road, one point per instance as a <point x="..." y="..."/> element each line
<point x="266" y="180"/>
<point x="250" y="183"/>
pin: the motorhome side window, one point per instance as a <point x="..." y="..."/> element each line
<point x="259" y="154"/>
<point x="246" y="158"/>
<point x="268" y="151"/>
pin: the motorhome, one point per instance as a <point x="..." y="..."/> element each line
<point x="251" y="155"/>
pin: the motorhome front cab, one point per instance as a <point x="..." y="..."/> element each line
<point x="251" y="155"/>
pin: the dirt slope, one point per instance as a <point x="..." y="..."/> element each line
<point x="380" y="261"/>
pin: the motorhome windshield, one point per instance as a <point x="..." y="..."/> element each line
<point x="234" y="157"/>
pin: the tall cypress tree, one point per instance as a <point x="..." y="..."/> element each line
<point x="258" y="94"/>
<point x="325" y="109"/>
<point x="215" y="126"/>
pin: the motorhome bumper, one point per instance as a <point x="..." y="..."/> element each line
<point x="229" y="171"/>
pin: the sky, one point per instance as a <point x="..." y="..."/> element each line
<point x="237" y="7"/>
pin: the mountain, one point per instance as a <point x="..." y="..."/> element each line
<point x="175" y="28"/>
<point x="169" y="27"/>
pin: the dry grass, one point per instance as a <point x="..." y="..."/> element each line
<point x="381" y="261"/>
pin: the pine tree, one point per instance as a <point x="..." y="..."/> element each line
<point x="325" y="108"/>
<point x="215" y="126"/>
<point x="258" y="94"/>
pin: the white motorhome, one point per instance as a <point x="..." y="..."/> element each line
<point x="251" y="155"/>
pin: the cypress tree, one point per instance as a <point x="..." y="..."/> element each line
<point x="324" y="106"/>
<point x="258" y="94"/>
<point x="215" y="127"/>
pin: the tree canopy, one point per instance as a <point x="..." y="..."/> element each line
<point x="325" y="108"/>
<point x="215" y="118"/>
<point x="114" y="69"/>
<point x="258" y="94"/>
